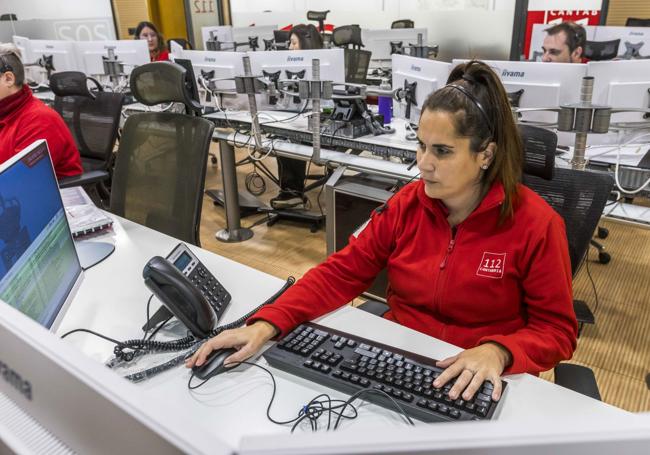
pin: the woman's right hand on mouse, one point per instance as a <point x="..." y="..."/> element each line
<point x="247" y="340"/>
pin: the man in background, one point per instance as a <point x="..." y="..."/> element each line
<point x="564" y="43"/>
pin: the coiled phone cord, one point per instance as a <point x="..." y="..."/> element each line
<point x="127" y="350"/>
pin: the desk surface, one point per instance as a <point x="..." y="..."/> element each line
<point x="112" y="300"/>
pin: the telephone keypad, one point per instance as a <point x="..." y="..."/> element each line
<point x="211" y="289"/>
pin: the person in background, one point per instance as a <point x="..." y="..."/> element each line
<point x="564" y="43"/>
<point x="157" y="50"/>
<point x="25" y="119"/>
<point x="468" y="250"/>
<point x="292" y="171"/>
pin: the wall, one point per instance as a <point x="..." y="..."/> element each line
<point x="620" y="10"/>
<point x="462" y="29"/>
<point x="56" y="9"/>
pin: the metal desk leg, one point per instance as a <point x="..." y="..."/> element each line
<point x="233" y="232"/>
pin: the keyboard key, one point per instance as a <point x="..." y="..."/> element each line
<point x="482" y="411"/>
<point x="422" y="403"/>
<point x="454" y="414"/>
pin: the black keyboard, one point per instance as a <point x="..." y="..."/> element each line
<point x="349" y="364"/>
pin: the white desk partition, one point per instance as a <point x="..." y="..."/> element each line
<point x="233" y="405"/>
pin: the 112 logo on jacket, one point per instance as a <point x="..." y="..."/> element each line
<point x="492" y="265"/>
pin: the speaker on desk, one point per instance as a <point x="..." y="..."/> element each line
<point x="350" y="201"/>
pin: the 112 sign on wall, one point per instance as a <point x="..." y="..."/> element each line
<point x="203" y="6"/>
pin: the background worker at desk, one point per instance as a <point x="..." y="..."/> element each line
<point x="155" y="41"/>
<point x="564" y="43"/>
<point x="474" y="258"/>
<point x="25" y="119"/>
<point x="292" y="171"/>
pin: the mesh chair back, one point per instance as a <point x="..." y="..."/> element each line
<point x="636" y="22"/>
<point x="93" y="117"/>
<point x="356" y="65"/>
<point x="346" y="35"/>
<point x="540" y="145"/>
<point x="163" y="82"/>
<point x="403" y="23"/>
<point x="8" y="17"/>
<point x="601" y="50"/>
<point x="159" y="173"/>
<point x="578" y="196"/>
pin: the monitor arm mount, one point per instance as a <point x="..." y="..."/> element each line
<point x="585" y="118"/>
<point x="213" y="44"/>
<point x="415" y="50"/>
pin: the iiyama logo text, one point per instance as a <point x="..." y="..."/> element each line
<point x="16" y="381"/>
<point x="416" y="68"/>
<point x="506" y="73"/>
<point x="295" y="59"/>
<point x="210" y="59"/>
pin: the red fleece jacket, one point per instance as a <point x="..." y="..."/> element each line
<point x="25" y="119"/>
<point x="508" y="283"/>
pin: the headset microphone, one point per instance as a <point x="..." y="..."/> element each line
<point x="410" y="166"/>
<point x="384" y="206"/>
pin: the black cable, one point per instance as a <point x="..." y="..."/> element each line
<point x="92" y="333"/>
<point x="593" y="285"/>
<point x="377" y="392"/>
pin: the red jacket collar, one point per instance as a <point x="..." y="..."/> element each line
<point x="494" y="198"/>
<point x="12" y="104"/>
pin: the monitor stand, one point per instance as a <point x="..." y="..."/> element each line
<point x="91" y="253"/>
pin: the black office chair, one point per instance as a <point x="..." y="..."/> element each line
<point x="636" y="22"/>
<point x="601" y="50"/>
<point x="357" y="60"/>
<point x="8" y="17"/>
<point x="320" y="17"/>
<point x="93" y="118"/>
<point x="162" y="158"/>
<point x="403" y="23"/>
<point x="185" y="44"/>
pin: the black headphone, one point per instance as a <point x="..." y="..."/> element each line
<point x="4" y="66"/>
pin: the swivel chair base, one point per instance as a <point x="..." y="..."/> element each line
<point x="315" y="220"/>
<point x="248" y="204"/>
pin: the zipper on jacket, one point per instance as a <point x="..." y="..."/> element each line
<point x="450" y="247"/>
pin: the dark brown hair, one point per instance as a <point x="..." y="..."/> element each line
<point x="161" y="40"/>
<point x="308" y="36"/>
<point x="482" y="89"/>
<point x="576" y="35"/>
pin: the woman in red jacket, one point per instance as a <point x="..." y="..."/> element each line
<point x="157" y="50"/>
<point x="474" y="258"/>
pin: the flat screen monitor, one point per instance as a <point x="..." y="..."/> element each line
<point x="130" y="52"/>
<point x="262" y="32"/>
<point x="39" y="268"/>
<point x="223" y="33"/>
<point x="378" y="42"/>
<point x="544" y="85"/>
<point x="622" y="84"/>
<point x="427" y="75"/>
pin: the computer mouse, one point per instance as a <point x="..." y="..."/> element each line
<point x="213" y="364"/>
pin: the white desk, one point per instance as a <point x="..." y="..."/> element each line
<point x="233" y="405"/>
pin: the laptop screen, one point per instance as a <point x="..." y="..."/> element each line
<point x="39" y="267"/>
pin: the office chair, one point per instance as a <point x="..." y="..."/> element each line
<point x="403" y="23"/>
<point x="8" y="17"/>
<point x="601" y="50"/>
<point x="93" y="118"/>
<point x="161" y="162"/>
<point x="579" y="197"/>
<point x="357" y="60"/>
<point x="281" y="39"/>
<point x="636" y="22"/>
<point x="320" y="17"/>
<point x="185" y="44"/>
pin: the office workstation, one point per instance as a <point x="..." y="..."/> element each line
<point x="247" y="239"/>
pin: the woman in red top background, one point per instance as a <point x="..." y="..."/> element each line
<point x="474" y="257"/>
<point x="157" y="50"/>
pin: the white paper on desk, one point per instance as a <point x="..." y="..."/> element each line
<point x="629" y="155"/>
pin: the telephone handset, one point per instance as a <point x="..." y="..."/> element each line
<point x="187" y="290"/>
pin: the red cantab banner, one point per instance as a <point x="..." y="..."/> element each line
<point x="580" y="16"/>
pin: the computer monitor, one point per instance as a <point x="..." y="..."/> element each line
<point x="211" y="66"/>
<point x="635" y="41"/>
<point x="130" y="52"/>
<point x="56" y="399"/>
<point x="223" y="33"/>
<point x="427" y="75"/>
<point x="34" y="49"/>
<point x="378" y="42"/>
<point x="262" y="32"/>
<point x="544" y="85"/>
<point x="622" y="84"/>
<point x="39" y="268"/>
